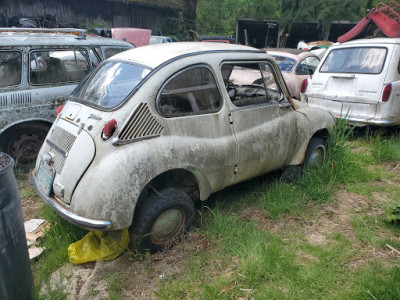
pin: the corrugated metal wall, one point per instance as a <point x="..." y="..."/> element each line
<point x="82" y="13"/>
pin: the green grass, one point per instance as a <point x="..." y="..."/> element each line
<point x="56" y="242"/>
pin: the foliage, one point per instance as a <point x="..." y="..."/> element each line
<point x="324" y="12"/>
<point x="219" y="17"/>
<point x="393" y="214"/>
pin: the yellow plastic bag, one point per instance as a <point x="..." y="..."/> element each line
<point x="98" y="245"/>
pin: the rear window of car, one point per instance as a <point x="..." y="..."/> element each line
<point x="285" y="64"/>
<point x="363" y="60"/>
<point x="110" y="84"/>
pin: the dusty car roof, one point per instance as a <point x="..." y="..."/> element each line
<point x="154" y="55"/>
<point x="292" y="53"/>
<point x="24" y="38"/>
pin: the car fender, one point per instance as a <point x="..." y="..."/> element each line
<point x="310" y="122"/>
<point x="121" y="175"/>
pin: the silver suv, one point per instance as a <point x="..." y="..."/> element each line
<point x="157" y="128"/>
<point x="39" y="68"/>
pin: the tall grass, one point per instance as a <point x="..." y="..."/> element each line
<point x="385" y="148"/>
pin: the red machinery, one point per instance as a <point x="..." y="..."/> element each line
<point x="385" y="19"/>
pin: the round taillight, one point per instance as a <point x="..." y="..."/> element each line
<point x="304" y="85"/>
<point x="109" y="129"/>
<point x="59" y="109"/>
<point x="387" y="90"/>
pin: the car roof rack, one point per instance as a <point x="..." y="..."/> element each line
<point x="79" y="33"/>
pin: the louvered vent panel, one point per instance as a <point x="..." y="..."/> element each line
<point x="3" y="100"/>
<point x="140" y="125"/>
<point x="63" y="141"/>
<point x="20" y="98"/>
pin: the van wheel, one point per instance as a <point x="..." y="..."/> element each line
<point x="164" y="217"/>
<point x="23" y="141"/>
<point x="315" y="153"/>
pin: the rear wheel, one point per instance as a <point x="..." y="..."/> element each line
<point x="161" y="221"/>
<point x="23" y="141"/>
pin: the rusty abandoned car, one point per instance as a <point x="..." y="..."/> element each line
<point x="157" y="128"/>
<point x="39" y="68"/>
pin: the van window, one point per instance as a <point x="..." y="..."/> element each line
<point x="363" y="60"/>
<point x="109" y="51"/>
<point x="57" y="66"/>
<point x="191" y="91"/>
<point x="10" y="68"/>
<point x="110" y="84"/>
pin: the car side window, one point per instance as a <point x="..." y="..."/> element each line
<point x="307" y="66"/>
<point x="57" y="66"/>
<point x="302" y="68"/>
<point x="111" y="51"/>
<point x="94" y="57"/>
<point x="189" y="92"/>
<point x="10" y="68"/>
<point x="251" y="83"/>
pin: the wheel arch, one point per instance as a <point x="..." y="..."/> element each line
<point x="190" y="180"/>
<point x="11" y="126"/>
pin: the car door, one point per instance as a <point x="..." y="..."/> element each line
<point x="262" y="118"/>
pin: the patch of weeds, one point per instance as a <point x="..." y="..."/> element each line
<point x="56" y="241"/>
<point x="369" y="230"/>
<point x="114" y="288"/>
<point x="374" y="282"/>
<point x="281" y="197"/>
<point x="56" y="293"/>
<point x="393" y="214"/>
<point x="385" y="148"/>
<point x="28" y="192"/>
<point x="365" y="189"/>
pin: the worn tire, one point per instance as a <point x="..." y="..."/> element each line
<point x="315" y="153"/>
<point x="161" y="221"/>
<point x="23" y="141"/>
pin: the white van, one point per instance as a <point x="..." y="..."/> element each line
<point x="359" y="80"/>
<point x="39" y="68"/>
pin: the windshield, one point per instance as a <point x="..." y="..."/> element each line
<point x="364" y="60"/>
<point x="111" y="84"/>
<point x="286" y="64"/>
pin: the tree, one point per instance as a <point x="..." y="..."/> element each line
<point x="189" y="13"/>
<point x="324" y="12"/>
<point x="219" y="17"/>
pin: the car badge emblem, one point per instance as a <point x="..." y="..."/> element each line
<point x="93" y="116"/>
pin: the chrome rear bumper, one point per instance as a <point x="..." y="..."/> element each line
<point x="62" y="211"/>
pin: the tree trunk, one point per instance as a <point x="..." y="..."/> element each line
<point x="189" y="14"/>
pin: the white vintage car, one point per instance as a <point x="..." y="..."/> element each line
<point x="157" y="128"/>
<point x="359" y="80"/>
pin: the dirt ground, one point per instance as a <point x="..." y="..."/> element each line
<point x="140" y="278"/>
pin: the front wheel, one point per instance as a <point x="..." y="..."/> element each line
<point x="164" y="217"/>
<point x="315" y="153"/>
